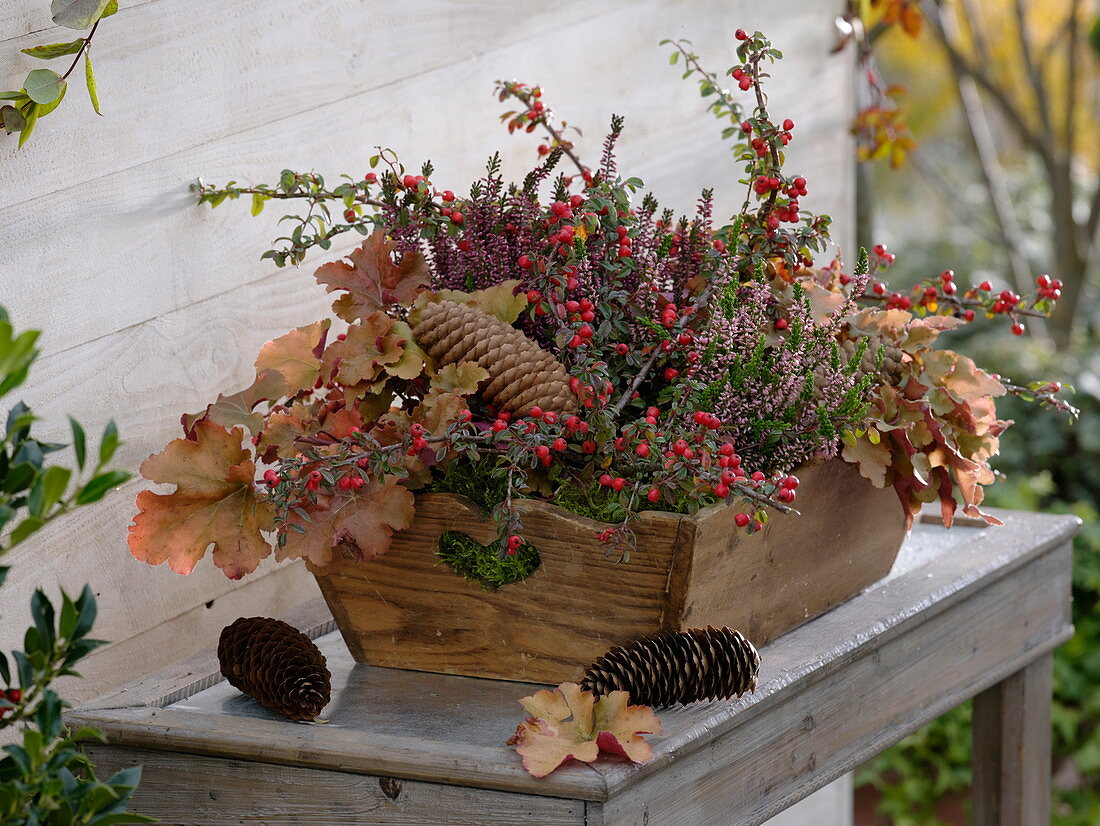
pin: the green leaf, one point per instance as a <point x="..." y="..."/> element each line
<point x="111" y="8"/>
<point x="86" y="608"/>
<point x="49" y="107"/>
<point x="98" y="486"/>
<point x="257" y="203"/>
<point x="30" y="115"/>
<point x="79" y="442"/>
<point x="24" y="529"/>
<point x="109" y="444"/>
<point x="47" y="490"/>
<point x="54" y="50"/>
<point x="16" y="96"/>
<point x="12" y="119"/>
<point x="43" y="86"/>
<point x="89" y="77"/>
<point x="77" y="14"/>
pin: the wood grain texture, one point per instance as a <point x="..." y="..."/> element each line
<point x="406" y="609"/>
<point x="969" y="609"/>
<point x="1012" y="748"/>
<point x="190" y="790"/>
<point x="154" y="251"/>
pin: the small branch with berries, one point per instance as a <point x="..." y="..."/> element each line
<point x="537" y="114"/>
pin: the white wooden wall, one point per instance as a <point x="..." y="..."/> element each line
<point x="150" y="305"/>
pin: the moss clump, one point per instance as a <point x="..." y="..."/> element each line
<point x="483" y="563"/>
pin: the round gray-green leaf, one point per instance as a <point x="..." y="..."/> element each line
<point x="77" y="14"/>
<point x="12" y="118"/>
<point x="43" y="86"/>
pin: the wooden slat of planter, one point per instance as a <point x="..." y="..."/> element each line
<point x="187" y="789"/>
<point x="406" y="609"/>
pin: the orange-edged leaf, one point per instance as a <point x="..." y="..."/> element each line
<point x="413" y="359"/>
<point x="372" y="280"/>
<point x="570" y="723"/>
<point x="296" y="356"/>
<point x="366" y="350"/>
<point x="911" y="20"/>
<point x="281" y="431"/>
<point x="237" y="410"/>
<point x="214" y="504"/>
<point x="360" y="524"/>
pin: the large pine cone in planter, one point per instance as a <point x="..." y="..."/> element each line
<point x="521" y="374"/>
<point x="678" y="667"/>
<point x="276" y="664"/>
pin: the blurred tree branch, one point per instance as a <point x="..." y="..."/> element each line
<point x="1037" y="113"/>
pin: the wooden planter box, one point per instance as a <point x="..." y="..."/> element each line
<point x="407" y="609"/>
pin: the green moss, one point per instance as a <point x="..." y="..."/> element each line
<point x="483" y="563"/>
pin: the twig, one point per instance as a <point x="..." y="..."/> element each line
<point x="83" y="48"/>
<point x="621" y="402"/>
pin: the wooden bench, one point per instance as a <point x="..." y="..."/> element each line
<point x="971" y="612"/>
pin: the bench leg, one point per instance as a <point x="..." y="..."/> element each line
<point x="1012" y="749"/>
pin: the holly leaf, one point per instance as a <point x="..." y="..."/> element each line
<point x="366" y="350"/>
<point x="296" y="356"/>
<point x="361" y="524"/>
<point x="570" y="723"/>
<point x="372" y="280"/>
<point x="237" y="409"/>
<point x="214" y="504"/>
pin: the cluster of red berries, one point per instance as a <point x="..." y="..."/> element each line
<point x="513" y="544"/>
<point x="13" y="696"/>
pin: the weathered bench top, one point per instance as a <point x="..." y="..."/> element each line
<point x="961" y="611"/>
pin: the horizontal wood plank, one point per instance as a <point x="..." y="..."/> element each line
<point x="190" y="789"/>
<point x="137" y="247"/>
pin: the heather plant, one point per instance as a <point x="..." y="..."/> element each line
<point x="704" y="362"/>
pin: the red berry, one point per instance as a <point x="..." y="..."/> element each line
<point x="785" y="495"/>
<point x="271" y="477"/>
<point x="588" y="446"/>
<point x="542" y="451"/>
<point x="671" y="373"/>
<point x="790" y="482"/>
<point x="878" y="288"/>
<point x="781" y="324"/>
<point x="618" y="483"/>
<point x="622" y="349"/>
<point x="409" y="181"/>
<point x="560" y="444"/>
<point x="721" y="490"/>
<point x="985" y="286"/>
<point x="740" y="34"/>
<point x="758" y="476"/>
<point x="653" y="495"/>
<point x="349" y="215"/>
<point x="968" y="315"/>
<point x="457" y="217"/>
<point x="525" y="262"/>
<point x="1018" y="329"/>
<point x="788" y="125"/>
<point x="741" y="520"/>
<point x="535" y="412"/>
<point x="624" y="251"/>
<point x="606" y="480"/>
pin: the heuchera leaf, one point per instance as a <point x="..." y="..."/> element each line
<point x="570" y="723"/>
<point x="372" y="281"/>
<point x="501" y="300"/>
<point x="296" y="356"/>
<point x="365" y="350"/>
<point x="462" y="378"/>
<point x="362" y="523"/>
<point x="214" y="503"/>
<point x="237" y="410"/>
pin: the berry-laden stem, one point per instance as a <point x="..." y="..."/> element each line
<point x="542" y="118"/>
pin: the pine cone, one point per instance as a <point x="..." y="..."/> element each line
<point x="678" y="667"/>
<point x="521" y="374"/>
<point x="277" y="664"/>
<point x="891" y="367"/>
